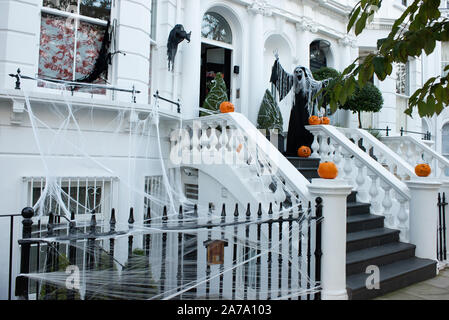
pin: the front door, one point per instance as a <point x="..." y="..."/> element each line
<point x="214" y="59"/>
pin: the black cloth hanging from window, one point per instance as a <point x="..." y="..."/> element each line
<point x="103" y="60"/>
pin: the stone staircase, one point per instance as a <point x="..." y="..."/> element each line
<point x="369" y="243"/>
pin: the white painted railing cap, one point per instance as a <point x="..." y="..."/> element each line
<point x="337" y="186"/>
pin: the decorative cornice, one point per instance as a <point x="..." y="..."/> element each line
<point x="306" y="24"/>
<point x="348" y="40"/>
<point x="260" y="7"/>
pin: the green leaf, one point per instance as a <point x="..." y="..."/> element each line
<point x="361" y="23"/>
<point x="379" y="68"/>
<point x="353" y="18"/>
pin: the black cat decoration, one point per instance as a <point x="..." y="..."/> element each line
<point x="177" y="35"/>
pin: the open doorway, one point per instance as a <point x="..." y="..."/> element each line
<point x="214" y="59"/>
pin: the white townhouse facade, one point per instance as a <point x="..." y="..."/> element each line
<point x="60" y="39"/>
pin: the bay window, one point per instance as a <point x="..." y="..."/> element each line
<point x="71" y="37"/>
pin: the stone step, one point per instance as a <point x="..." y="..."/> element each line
<point x="358" y="261"/>
<point x="357" y="208"/>
<point x="304" y="163"/>
<point x="393" y="276"/>
<point x="370" y="238"/>
<point x="362" y="222"/>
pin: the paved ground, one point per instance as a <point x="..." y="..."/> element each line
<point x="433" y="289"/>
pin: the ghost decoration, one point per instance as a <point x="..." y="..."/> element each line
<point x="176" y="36"/>
<point x="305" y="102"/>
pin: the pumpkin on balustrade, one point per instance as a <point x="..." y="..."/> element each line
<point x="325" y="120"/>
<point x="314" y="120"/>
<point x="327" y="170"/>
<point x="304" y="152"/>
<point x="226" y="107"/>
<point x="422" y="170"/>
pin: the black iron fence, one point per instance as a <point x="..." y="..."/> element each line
<point x="425" y="135"/>
<point x="441" y="238"/>
<point x="11" y="218"/>
<point x="259" y="276"/>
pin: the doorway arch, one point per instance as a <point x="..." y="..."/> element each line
<point x="221" y="50"/>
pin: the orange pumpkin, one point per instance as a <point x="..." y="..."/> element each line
<point x="325" y="120"/>
<point x="239" y="148"/>
<point x="226" y="106"/>
<point x="327" y="170"/>
<point x="304" y="152"/>
<point x="314" y="120"/>
<point x="422" y="170"/>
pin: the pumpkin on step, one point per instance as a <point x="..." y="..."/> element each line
<point x="325" y="120"/>
<point x="226" y="107"/>
<point x="327" y="170"/>
<point x="304" y="152"/>
<point x="314" y="120"/>
<point x="422" y="170"/>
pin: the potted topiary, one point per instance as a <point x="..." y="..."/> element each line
<point x="368" y="99"/>
<point x="270" y="119"/>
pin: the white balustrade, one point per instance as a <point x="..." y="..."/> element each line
<point x="377" y="183"/>
<point x="415" y="151"/>
<point x="232" y="141"/>
<point x="388" y="156"/>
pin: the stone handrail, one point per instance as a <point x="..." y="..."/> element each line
<point x="203" y="143"/>
<point x="382" y="153"/>
<point x="332" y="145"/>
<point x="414" y="151"/>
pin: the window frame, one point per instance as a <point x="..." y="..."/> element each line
<point x="406" y="93"/>
<point x="108" y="185"/>
<point x="214" y="42"/>
<point x="108" y="95"/>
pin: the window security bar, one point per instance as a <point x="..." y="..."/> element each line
<point x="157" y="96"/>
<point x="72" y="84"/>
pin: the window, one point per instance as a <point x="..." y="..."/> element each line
<point x="402" y="79"/>
<point x="154" y="187"/>
<point x="80" y="195"/>
<point x="215" y="27"/>
<point x="444" y="58"/>
<point x="318" y="58"/>
<point x="404" y="2"/>
<point x="72" y="33"/>
<point x="445" y="144"/>
<point x="191" y="191"/>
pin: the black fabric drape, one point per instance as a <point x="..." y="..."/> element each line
<point x="298" y="135"/>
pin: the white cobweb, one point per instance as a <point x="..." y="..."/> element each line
<point x="162" y="252"/>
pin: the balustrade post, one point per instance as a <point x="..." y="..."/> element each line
<point x="424" y="216"/>
<point x="333" y="230"/>
<point x="22" y="281"/>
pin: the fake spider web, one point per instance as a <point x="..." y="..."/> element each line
<point x="161" y="252"/>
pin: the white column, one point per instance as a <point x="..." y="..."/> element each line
<point x="19" y="37"/>
<point x="424" y="216"/>
<point x="191" y="60"/>
<point x="303" y="39"/>
<point x="132" y="69"/>
<point x="256" y="62"/>
<point x="333" y="242"/>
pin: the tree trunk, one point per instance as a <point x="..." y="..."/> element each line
<point x="360" y="119"/>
